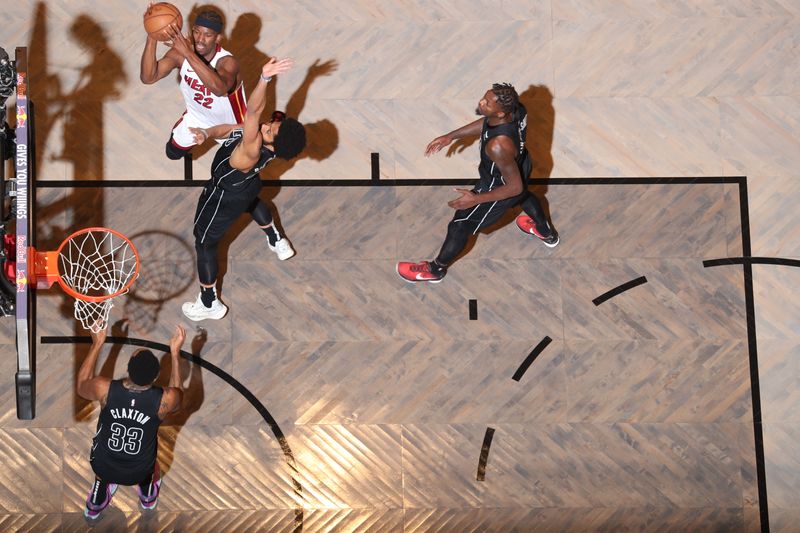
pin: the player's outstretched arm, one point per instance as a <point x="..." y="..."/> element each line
<point x="151" y="69"/>
<point x="247" y="153"/>
<point x="89" y="386"/>
<point x="473" y="128"/>
<point x="221" y="131"/>
<point x="173" y="394"/>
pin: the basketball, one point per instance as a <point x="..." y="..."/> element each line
<point x="158" y="17"/>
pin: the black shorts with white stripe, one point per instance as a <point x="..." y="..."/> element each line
<point x="487" y="213"/>
<point x="218" y="209"/>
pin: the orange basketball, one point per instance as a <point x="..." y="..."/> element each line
<point x="158" y="17"/>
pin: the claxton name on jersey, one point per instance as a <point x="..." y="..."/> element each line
<point x="131" y="414"/>
<point x="196" y="85"/>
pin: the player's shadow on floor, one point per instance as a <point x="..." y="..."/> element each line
<point x="167" y="275"/>
<point x="244" y="37"/>
<point x="193" y="397"/>
<point x="78" y="114"/>
<point x="322" y="140"/>
<point x="538" y="100"/>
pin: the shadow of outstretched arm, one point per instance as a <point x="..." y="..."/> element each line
<point x="297" y="102"/>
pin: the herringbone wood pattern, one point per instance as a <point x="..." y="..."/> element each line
<point x="656" y="88"/>
<point x="383" y="390"/>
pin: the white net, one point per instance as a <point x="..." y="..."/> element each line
<point x="93" y="315"/>
<point x="98" y="264"/>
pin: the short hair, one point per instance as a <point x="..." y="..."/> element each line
<point x="290" y="140"/>
<point x="212" y="16"/>
<point x="143" y="367"/>
<point x="507" y="97"/>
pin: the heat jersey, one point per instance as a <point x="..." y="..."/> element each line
<point x="125" y="445"/>
<point x="490" y="176"/>
<point x="203" y="108"/>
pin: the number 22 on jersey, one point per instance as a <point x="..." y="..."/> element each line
<point x="203" y="100"/>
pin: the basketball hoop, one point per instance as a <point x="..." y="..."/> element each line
<point x="93" y="265"/>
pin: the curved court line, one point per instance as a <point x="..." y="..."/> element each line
<point x="751" y="261"/>
<point x="619" y="290"/>
<point x="227" y="378"/>
<point x="487" y="443"/>
<point x="531" y="357"/>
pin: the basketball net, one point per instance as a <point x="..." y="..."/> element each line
<point x="93" y="265"/>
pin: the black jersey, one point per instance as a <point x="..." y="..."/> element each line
<point x="224" y="176"/>
<point x="490" y="176"/>
<point x="126" y="442"/>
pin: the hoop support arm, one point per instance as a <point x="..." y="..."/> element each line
<point x="45" y="268"/>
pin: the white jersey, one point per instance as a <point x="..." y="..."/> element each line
<point x="205" y="109"/>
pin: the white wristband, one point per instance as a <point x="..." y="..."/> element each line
<point x="267" y="79"/>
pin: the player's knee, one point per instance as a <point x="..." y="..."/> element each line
<point x="458" y="227"/>
<point x="173" y="152"/>
<point x="205" y="250"/>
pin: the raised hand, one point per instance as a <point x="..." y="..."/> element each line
<point x="437" y="144"/>
<point x="178" y="41"/>
<point x="177" y="339"/>
<point x="98" y="337"/>
<point x="276" y="66"/>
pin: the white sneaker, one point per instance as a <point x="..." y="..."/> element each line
<point x="197" y="311"/>
<point x="283" y="248"/>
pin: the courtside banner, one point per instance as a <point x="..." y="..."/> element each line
<point x="22" y="198"/>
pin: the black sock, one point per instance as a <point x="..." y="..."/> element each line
<point x="545" y="230"/>
<point x="146" y="486"/>
<point x="207" y="295"/>
<point x="436" y="268"/>
<point x="99" y="492"/>
<point x="272" y="234"/>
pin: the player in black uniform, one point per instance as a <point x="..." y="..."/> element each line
<point x="126" y="442"/>
<point x="235" y="183"/>
<point x="504" y="170"/>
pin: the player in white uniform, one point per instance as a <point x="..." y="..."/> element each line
<point x="211" y="84"/>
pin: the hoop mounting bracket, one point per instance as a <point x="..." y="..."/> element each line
<point x="45" y="268"/>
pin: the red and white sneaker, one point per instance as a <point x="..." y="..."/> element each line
<point x="527" y="225"/>
<point x="414" y="272"/>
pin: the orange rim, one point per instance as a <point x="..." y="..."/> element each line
<point x="97" y="299"/>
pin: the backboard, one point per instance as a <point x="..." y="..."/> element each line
<point x="22" y="209"/>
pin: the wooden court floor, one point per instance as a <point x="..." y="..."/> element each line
<point x="335" y="396"/>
